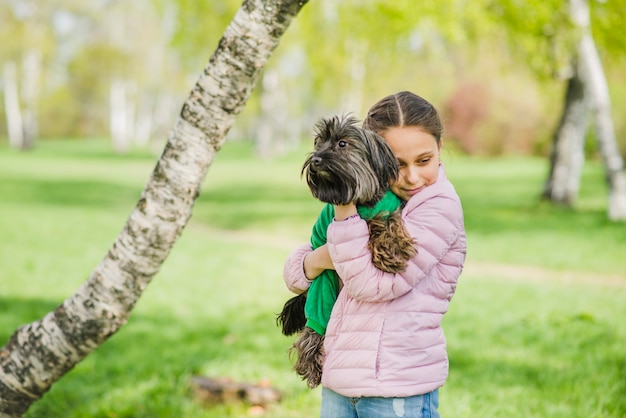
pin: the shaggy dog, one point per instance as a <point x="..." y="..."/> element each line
<point x="348" y="165"/>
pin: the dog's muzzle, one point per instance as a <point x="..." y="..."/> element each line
<point x="316" y="161"/>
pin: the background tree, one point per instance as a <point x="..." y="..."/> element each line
<point x="40" y="353"/>
<point x="587" y="93"/>
<point x="138" y="96"/>
<point x="25" y="24"/>
<point x="557" y="39"/>
<point x="442" y="49"/>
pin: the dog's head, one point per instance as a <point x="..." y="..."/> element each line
<point x="349" y="163"/>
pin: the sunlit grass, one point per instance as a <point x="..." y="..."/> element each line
<point x="519" y="347"/>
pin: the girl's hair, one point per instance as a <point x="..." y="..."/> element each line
<point x="403" y="109"/>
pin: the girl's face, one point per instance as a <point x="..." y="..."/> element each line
<point x="417" y="152"/>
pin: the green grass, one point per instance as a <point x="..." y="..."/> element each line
<point x="521" y="344"/>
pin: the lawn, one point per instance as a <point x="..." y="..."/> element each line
<point x="534" y="329"/>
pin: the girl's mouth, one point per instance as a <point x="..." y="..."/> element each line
<point x="412" y="192"/>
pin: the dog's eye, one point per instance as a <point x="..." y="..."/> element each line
<point x="342" y="144"/>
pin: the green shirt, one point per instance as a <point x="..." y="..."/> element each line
<point x="325" y="288"/>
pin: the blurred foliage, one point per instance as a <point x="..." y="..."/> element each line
<point x="606" y="17"/>
<point x="338" y="56"/>
<point x="540" y="32"/>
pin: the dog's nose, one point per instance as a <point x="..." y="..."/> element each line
<point x="316" y="160"/>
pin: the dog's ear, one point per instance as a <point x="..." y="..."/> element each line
<point x="382" y="159"/>
<point x="390" y="243"/>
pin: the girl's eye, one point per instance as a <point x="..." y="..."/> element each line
<point x="342" y="144"/>
<point x="424" y="161"/>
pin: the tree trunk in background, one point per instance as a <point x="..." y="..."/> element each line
<point x="40" y="353"/>
<point x="274" y="118"/>
<point x="117" y="115"/>
<point x="353" y="99"/>
<point x="31" y="65"/>
<point x="567" y="156"/>
<point x="131" y="111"/>
<point x="22" y="118"/>
<point x="12" y="105"/>
<point x="598" y="92"/>
<point x="144" y="121"/>
<point x="587" y="91"/>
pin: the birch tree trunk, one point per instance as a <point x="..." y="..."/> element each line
<point x="144" y="120"/>
<point x="31" y="65"/>
<point x="567" y="158"/>
<point x="353" y="99"/>
<point x="12" y="105"/>
<point x="40" y="353"/>
<point x="598" y="92"/>
<point x="587" y="92"/>
<point x="273" y="120"/>
<point x="118" y="115"/>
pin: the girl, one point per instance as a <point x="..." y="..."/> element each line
<point x="385" y="350"/>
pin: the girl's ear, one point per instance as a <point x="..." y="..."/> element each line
<point x="440" y="146"/>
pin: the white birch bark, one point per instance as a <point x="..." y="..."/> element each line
<point x="131" y="111"/>
<point x="273" y="120"/>
<point x="567" y="158"/>
<point x="117" y="115"/>
<point x="31" y="68"/>
<point x="40" y="353"/>
<point x="12" y="105"/>
<point x="353" y="100"/>
<point x="143" y="122"/>
<point x="598" y="92"/>
<point x="587" y="94"/>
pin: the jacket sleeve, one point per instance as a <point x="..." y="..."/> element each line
<point x="436" y="224"/>
<point x="293" y="271"/>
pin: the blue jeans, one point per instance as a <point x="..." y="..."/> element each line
<point x="335" y="405"/>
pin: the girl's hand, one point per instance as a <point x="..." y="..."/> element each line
<point x="316" y="262"/>
<point x="343" y="212"/>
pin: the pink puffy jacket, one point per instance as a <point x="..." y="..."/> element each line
<point x="384" y="337"/>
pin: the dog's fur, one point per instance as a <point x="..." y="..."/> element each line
<point x="349" y="165"/>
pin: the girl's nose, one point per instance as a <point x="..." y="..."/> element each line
<point x="411" y="175"/>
